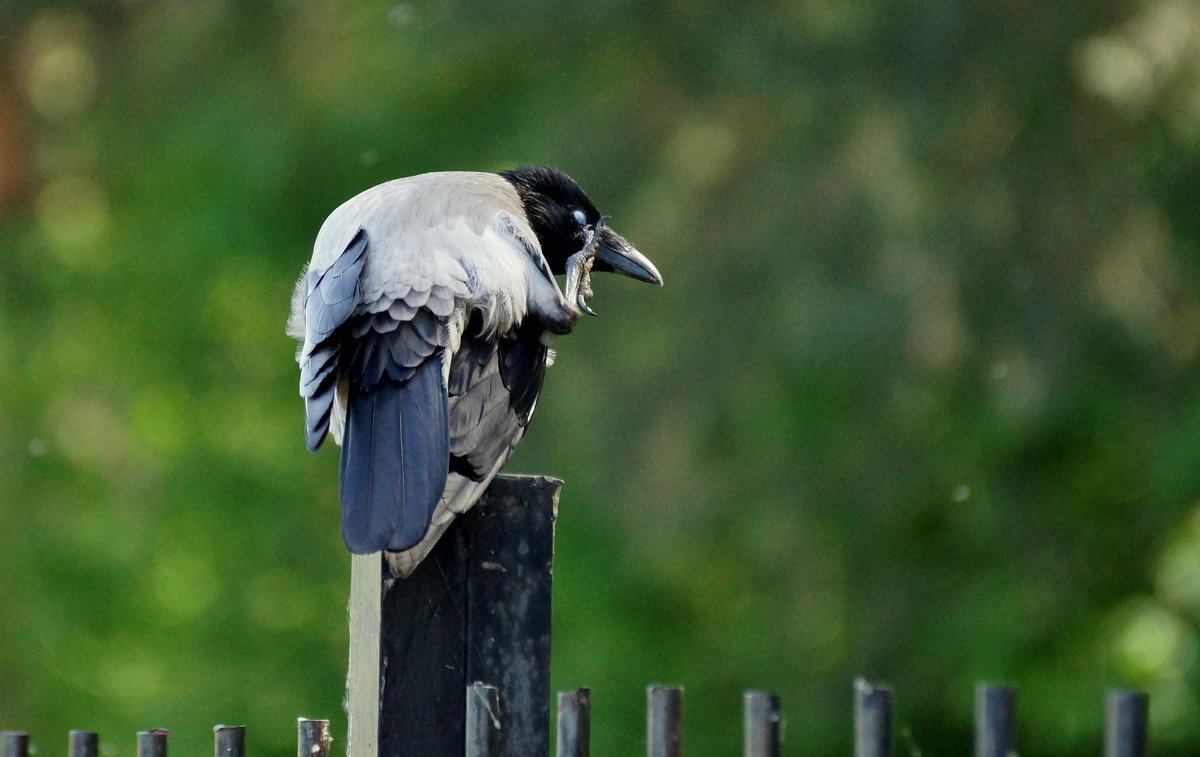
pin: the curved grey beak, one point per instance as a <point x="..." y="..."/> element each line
<point x="617" y="255"/>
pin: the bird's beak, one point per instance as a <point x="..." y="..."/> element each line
<point x="617" y="255"/>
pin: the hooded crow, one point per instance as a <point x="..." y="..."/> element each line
<point x="425" y="318"/>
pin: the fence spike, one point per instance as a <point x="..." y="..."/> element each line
<point x="483" y="720"/>
<point x="229" y="741"/>
<point x="664" y="721"/>
<point x="14" y="744"/>
<point x="83" y="744"/>
<point x="760" y="727"/>
<point x="574" y="723"/>
<point x="152" y="743"/>
<point x="312" y="738"/>
<point x="995" y="721"/>
<point x="872" y="719"/>
<point x="1126" y="723"/>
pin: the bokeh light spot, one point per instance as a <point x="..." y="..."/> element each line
<point x="1152" y="641"/>
<point x="60" y="75"/>
<point x="72" y="214"/>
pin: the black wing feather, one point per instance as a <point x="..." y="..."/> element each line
<point x="330" y="297"/>
<point x="523" y="367"/>
<point x="494" y="384"/>
<point x="394" y="460"/>
<point x="395" y="453"/>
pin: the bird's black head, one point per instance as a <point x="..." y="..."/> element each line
<point x="559" y="212"/>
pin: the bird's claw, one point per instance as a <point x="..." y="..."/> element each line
<point x="582" y="303"/>
<point x="579" y="269"/>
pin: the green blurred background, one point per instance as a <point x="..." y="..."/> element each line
<point x="920" y="399"/>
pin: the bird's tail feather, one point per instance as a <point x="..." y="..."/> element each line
<point x="461" y="493"/>
<point x="394" y="461"/>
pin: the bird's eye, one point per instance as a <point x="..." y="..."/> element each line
<point x="579" y="216"/>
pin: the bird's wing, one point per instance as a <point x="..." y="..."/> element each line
<point x="395" y="447"/>
<point x="330" y="296"/>
<point x="493" y="388"/>
<point x="379" y="366"/>
<point x="397" y="347"/>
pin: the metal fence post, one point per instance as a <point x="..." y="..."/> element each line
<point x="14" y="744"/>
<point x="664" y="721"/>
<point x="995" y="721"/>
<point x="483" y="721"/>
<point x="1126" y="719"/>
<point x="574" y="723"/>
<point x="760" y="728"/>
<point x="83" y="744"/>
<point x="152" y="743"/>
<point x="872" y="719"/>
<point x="229" y="741"/>
<point x="312" y="738"/>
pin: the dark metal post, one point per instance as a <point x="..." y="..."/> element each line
<point x="476" y="609"/>
<point x="760" y="727"/>
<point x="229" y="740"/>
<point x="995" y="721"/>
<point x="483" y="721"/>
<point x="312" y="738"/>
<point x="872" y="720"/>
<point x="152" y="743"/>
<point x="83" y="744"/>
<point x="1126" y="718"/>
<point x="664" y="721"/>
<point x="14" y="744"/>
<point x="574" y="723"/>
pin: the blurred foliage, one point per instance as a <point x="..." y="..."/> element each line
<point x="920" y="400"/>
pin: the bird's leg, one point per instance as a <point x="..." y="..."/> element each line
<point x="579" y="269"/>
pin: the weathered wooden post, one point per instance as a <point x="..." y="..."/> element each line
<point x="477" y="609"/>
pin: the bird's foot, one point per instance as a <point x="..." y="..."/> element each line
<point x="579" y="269"/>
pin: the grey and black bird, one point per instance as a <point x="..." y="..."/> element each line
<point x="425" y="319"/>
